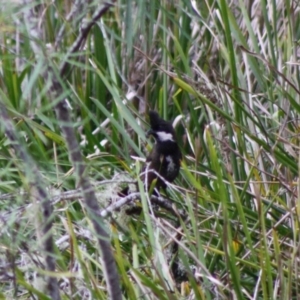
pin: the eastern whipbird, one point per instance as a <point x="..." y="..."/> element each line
<point x="163" y="162"/>
<point x="164" y="159"/>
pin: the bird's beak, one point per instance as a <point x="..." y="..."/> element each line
<point x="149" y="133"/>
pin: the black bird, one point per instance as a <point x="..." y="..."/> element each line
<point x="164" y="159"/>
<point x="163" y="162"/>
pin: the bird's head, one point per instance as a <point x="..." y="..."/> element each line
<point x="160" y="129"/>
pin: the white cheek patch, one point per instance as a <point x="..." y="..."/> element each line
<point x="163" y="136"/>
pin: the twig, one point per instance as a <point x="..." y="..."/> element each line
<point x="84" y="31"/>
<point x="39" y="192"/>
<point x="66" y="124"/>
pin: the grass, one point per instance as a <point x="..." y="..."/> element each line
<point x="228" y="74"/>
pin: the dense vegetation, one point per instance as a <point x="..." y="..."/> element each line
<point x="77" y="80"/>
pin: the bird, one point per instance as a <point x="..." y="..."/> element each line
<point x="163" y="161"/>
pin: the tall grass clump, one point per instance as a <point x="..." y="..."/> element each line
<point x="77" y="79"/>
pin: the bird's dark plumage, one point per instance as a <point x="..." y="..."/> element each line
<point x="163" y="162"/>
<point x="164" y="158"/>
